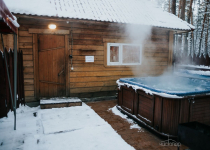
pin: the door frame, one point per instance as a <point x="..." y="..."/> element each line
<point x="35" y="33"/>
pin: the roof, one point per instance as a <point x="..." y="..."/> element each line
<point x="8" y="23"/>
<point x="141" y="12"/>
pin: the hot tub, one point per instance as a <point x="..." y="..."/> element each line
<point x="161" y="103"/>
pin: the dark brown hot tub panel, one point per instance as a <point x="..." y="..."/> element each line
<point x="162" y="114"/>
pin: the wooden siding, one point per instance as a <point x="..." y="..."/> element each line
<point x="8" y="41"/>
<point x="90" y="39"/>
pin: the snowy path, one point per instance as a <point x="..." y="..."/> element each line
<point x="75" y="128"/>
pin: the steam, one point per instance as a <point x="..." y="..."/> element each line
<point x="142" y="35"/>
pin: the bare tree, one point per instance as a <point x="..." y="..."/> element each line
<point x="190" y="13"/>
<point x="183" y="10"/>
<point x="179" y="10"/>
<point x="204" y="20"/>
<point x="173" y="7"/>
<point x="169" y="6"/>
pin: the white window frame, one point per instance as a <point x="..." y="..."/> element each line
<point x="121" y="54"/>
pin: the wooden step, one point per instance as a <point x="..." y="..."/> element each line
<point x="59" y="102"/>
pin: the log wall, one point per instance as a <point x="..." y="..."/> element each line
<point x="90" y="39"/>
<point x="8" y="40"/>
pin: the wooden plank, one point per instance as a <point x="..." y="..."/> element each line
<point x="86" y="84"/>
<point x="158" y="113"/>
<point x="150" y="54"/>
<point x="48" y="31"/>
<point x="36" y="67"/>
<point x="27" y="51"/>
<point x="30" y="99"/>
<point x="28" y="69"/>
<point x="109" y="40"/>
<point x="171" y="43"/>
<point x="28" y="81"/>
<point x="87" y="47"/>
<point x="100" y="73"/>
<point x="82" y="62"/>
<point x="24" y="33"/>
<point x="60" y="105"/>
<point x="29" y="87"/>
<point x="96" y="58"/>
<point x="92" y="89"/>
<point x="88" y="42"/>
<point x="184" y="111"/>
<point x="25" y="45"/>
<point x="128" y="99"/>
<point x="156" y="46"/>
<point x="87" y="53"/>
<point x="151" y="59"/>
<point x="25" y="39"/>
<point x="170" y="116"/>
<point x="28" y="75"/>
<point x="28" y="22"/>
<point x="27" y="57"/>
<point x="29" y="93"/>
<point x="87" y="36"/>
<point x="115" y="73"/>
<point x="105" y="54"/>
<point x="100" y="32"/>
<point x="93" y="84"/>
<point x="116" y="68"/>
<point x="67" y="70"/>
<point x="94" y="79"/>
<point x="28" y="63"/>
<point x="155" y="49"/>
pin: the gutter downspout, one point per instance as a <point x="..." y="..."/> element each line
<point x="15" y="77"/>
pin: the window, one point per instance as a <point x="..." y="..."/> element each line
<point x="123" y="54"/>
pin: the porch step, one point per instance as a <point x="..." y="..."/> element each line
<point x="59" y="102"/>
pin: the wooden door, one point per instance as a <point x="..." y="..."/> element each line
<point x="52" y="73"/>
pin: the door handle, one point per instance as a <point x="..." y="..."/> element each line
<point x="62" y="71"/>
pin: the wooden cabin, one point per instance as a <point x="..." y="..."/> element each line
<point x="91" y="47"/>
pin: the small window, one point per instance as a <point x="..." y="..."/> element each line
<point x="123" y="54"/>
<point x="114" y="53"/>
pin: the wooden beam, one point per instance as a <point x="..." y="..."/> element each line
<point x="36" y="67"/>
<point x="170" y="53"/>
<point x="48" y="31"/>
<point x="67" y="64"/>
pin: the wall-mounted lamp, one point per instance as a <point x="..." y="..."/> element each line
<point x="52" y="26"/>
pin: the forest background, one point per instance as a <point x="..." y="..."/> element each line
<point x="191" y="47"/>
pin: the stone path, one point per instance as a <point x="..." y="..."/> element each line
<point x="139" y="140"/>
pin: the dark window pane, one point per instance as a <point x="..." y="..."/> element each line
<point x="114" y="53"/>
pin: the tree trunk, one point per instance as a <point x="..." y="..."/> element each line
<point x="169" y="6"/>
<point x="190" y="13"/>
<point x="183" y="10"/>
<point x="180" y="4"/>
<point x="173" y="7"/>
<point x="204" y="20"/>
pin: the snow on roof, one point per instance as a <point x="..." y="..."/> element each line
<point x="9" y="21"/>
<point x="141" y="12"/>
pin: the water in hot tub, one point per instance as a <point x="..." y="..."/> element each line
<point x="172" y="83"/>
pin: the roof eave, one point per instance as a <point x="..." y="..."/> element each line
<point x="5" y="13"/>
<point x="78" y="19"/>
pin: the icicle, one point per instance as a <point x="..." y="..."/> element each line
<point x="175" y="45"/>
<point x="208" y="45"/>
<point x="197" y="44"/>
<point x="189" y="43"/>
<point x="182" y="44"/>
<point x="192" y="48"/>
<point x="202" y="52"/>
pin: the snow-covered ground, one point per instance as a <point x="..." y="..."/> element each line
<point x="75" y="128"/>
<point x="132" y="123"/>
